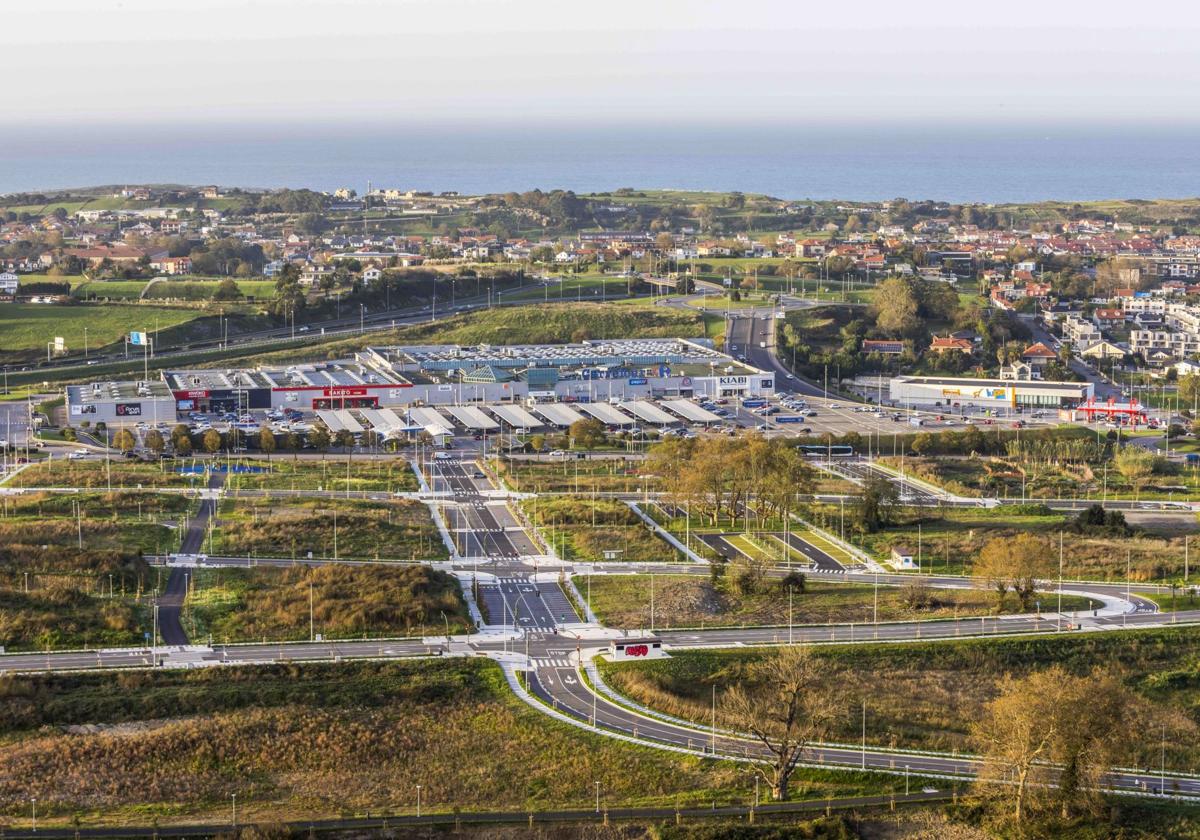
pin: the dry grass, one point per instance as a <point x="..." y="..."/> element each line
<point x="394" y="529"/>
<point x="692" y="601"/>
<point x="252" y="604"/>
<point x="926" y="695"/>
<point x="295" y="742"/>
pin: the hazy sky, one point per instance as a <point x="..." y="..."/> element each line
<point x="671" y="60"/>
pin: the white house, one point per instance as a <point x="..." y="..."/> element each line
<point x="372" y="274"/>
<point x="8" y="285"/>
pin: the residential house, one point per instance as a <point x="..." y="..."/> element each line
<point x="1038" y="355"/>
<point x="8" y="286"/>
<point x="1104" y="350"/>
<point x="950" y="344"/>
<point x="171" y="265"/>
<point x="1108" y="318"/>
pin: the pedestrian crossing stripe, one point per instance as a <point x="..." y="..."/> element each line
<point x="552" y="663"/>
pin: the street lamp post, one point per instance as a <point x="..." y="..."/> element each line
<point x="597" y="797"/>
<point x="418" y="802"/>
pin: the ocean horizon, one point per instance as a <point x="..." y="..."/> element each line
<point x="995" y="163"/>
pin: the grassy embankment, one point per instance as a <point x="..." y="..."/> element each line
<point x="311" y="741"/>
<point x="925" y="695"/>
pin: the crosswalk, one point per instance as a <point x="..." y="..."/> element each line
<point x="553" y="663"/>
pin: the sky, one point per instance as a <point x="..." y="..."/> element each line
<point x="92" y="62"/>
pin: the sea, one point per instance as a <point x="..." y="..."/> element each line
<point x="985" y="163"/>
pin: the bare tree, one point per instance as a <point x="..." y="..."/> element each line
<point x="1053" y="736"/>
<point x="786" y="704"/>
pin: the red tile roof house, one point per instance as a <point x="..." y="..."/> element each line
<point x="949" y="344"/>
<point x="1039" y="355"/>
<point x="1109" y="317"/>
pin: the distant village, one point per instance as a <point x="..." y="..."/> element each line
<point x="1110" y="289"/>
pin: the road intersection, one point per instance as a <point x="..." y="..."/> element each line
<point x="539" y="631"/>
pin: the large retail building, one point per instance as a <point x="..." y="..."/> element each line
<point x="955" y="392"/>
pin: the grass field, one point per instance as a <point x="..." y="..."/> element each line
<point x="693" y="601"/>
<point x="332" y="473"/>
<point x="553" y="323"/>
<point x="60" y="472"/>
<point x="28" y="326"/>
<point x="243" y="605"/>
<point x="181" y="289"/>
<point x="583" y="529"/>
<point x="340" y="528"/>
<point x="925" y="695"/>
<point x="311" y="741"/>
<point x="574" y="475"/>
<point x="950" y="540"/>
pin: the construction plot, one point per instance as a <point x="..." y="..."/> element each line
<point x="691" y="412"/>
<point x="607" y="414"/>
<point x="472" y="418"/>
<point x="559" y="415"/>
<point x="515" y="416"/>
<point x="649" y="412"/>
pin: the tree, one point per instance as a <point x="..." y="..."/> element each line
<point x="227" y="289"/>
<point x="154" y="441"/>
<point x="183" y="445"/>
<point x="319" y="438"/>
<point x="124" y="440"/>
<point x="344" y="438"/>
<point x="211" y="441"/>
<point x="923" y="443"/>
<point x="896" y="307"/>
<point x="877" y="503"/>
<point x="786" y="704"/>
<point x="1135" y="465"/>
<point x="1015" y="563"/>
<point x="587" y="433"/>
<point x="266" y="441"/>
<point x="1052" y="735"/>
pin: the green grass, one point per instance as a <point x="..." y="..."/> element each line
<point x="117" y="474"/>
<point x="573" y="475"/>
<point x="28" y="326"/>
<point x="951" y="539"/>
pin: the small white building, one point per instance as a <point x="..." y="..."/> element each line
<point x="903" y="557"/>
